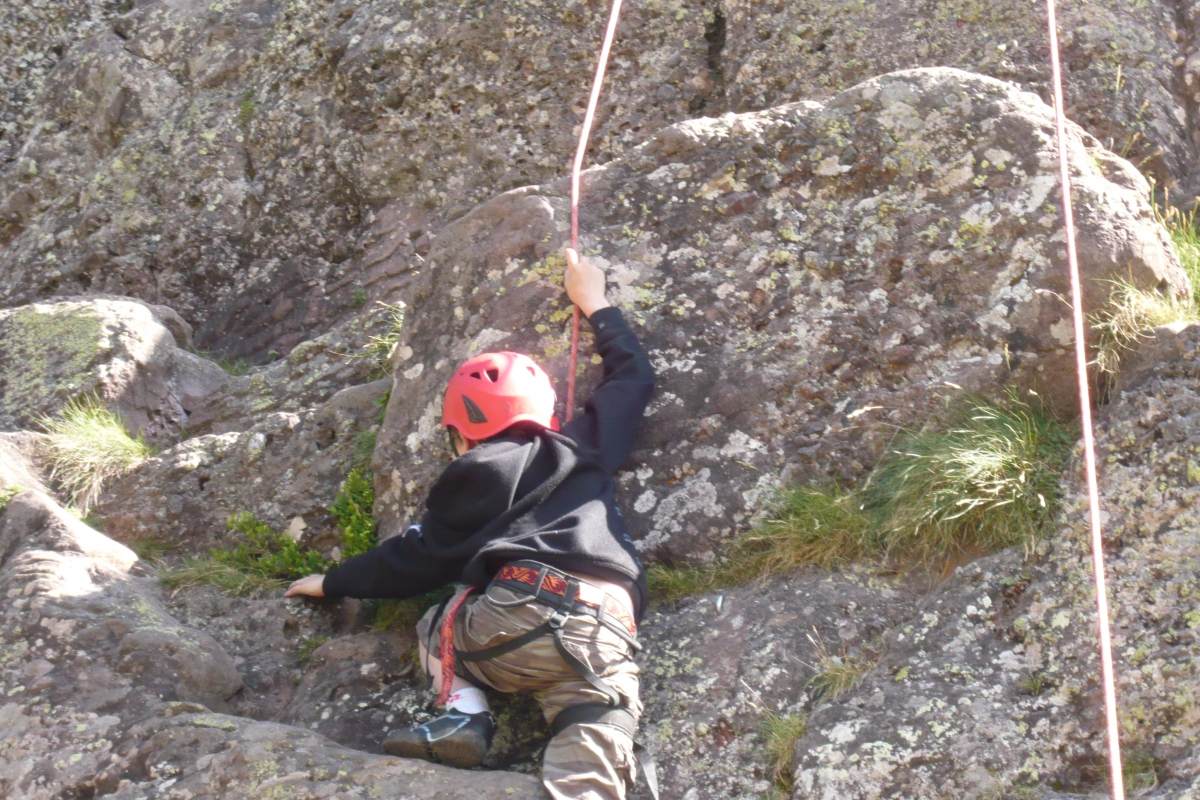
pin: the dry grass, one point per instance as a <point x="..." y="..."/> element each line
<point x="780" y="735"/>
<point x="984" y="479"/>
<point x="834" y="675"/>
<point x="88" y="447"/>
<point x="229" y="580"/>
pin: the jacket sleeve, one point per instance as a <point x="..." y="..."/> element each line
<point x="612" y="414"/>
<point x="403" y="566"/>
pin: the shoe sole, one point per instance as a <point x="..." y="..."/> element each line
<point x="462" y="752"/>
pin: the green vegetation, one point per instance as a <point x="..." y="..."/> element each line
<point x="1133" y="312"/>
<point x="359" y="299"/>
<point x="834" y="675"/>
<point x="1139" y="772"/>
<point x="261" y="564"/>
<point x="235" y="366"/>
<point x="379" y="348"/>
<point x="151" y="550"/>
<point x="780" y="735"/>
<point x="308" y="645"/>
<point x="984" y="479"/>
<point x="7" y="494"/>
<point x="88" y="447"/>
<point x="1012" y="793"/>
<point x="403" y="615"/>
<point x="246" y="108"/>
<point x="353" y="508"/>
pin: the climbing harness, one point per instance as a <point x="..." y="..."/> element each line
<point x="566" y="596"/>
<point x="581" y="151"/>
<point x="1085" y="405"/>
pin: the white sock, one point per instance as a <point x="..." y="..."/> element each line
<point x="468" y="700"/>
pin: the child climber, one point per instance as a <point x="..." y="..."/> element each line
<point x="525" y="519"/>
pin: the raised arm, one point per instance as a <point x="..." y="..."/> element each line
<point x="614" y="411"/>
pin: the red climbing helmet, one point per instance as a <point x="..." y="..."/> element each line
<point x="493" y="390"/>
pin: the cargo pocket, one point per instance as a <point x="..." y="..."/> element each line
<point x="488" y="622"/>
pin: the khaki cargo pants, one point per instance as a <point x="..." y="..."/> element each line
<point x="584" y="762"/>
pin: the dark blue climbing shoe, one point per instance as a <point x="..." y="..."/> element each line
<point x="455" y="739"/>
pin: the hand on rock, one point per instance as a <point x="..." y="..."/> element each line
<point x="585" y="283"/>
<point x="312" y="585"/>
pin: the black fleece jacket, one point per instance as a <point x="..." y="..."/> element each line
<point x="527" y="493"/>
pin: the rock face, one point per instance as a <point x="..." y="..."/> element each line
<point x="714" y="667"/>
<point x="105" y="694"/>
<point x="1127" y="82"/>
<point x="996" y="680"/>
<point x="127" y="353"/>
<point x="173" y="150"/>
<point x="277" y="442"/>
<point x="805" y="280"/>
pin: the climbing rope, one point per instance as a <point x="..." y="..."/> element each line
<point x="581" y="151"/>
<point x="1085" y="405"/>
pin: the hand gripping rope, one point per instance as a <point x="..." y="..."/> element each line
<point x="580" y="152"/>
<point x="1085" y="419"/>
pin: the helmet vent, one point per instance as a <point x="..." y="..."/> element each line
<point x="474" y="413"/>
<point x="493" y="375"/>
<point x="476" y="376"/>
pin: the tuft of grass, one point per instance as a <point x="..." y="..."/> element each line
<point x="1140" y="774"/>
<point x="780" y="735"/>
<point x="7" y="494"/>
<point x="89" y="446"/>
<point x="270" y="554"/>
<point x="1034" y="684"/>
<point x="379" y="348"/>
<point x="834" y="675"/>
<point x="354" y="508"/>
<point x="1128" y="318"/>
<point x="1015" y="792"/>
<point x="359" y="298"/>
<point x="207" y="570"/>
<point x="151" y="550"/>
<point x="1185" y="239"/>
<point x="985" y="480"/>
<point x="261" y="564"/>
<point x="403" y="615"/>
<point x="308" y="646"/>
<point x="236" y="367"/>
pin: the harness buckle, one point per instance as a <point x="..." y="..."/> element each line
<point x="557" y="620"/>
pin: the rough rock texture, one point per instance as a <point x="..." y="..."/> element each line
<point x="105" y="694"/>
<point x="286" y="469"/>
<point x="125" y="352"/>
<point x="175" y="154"/>
<point x="805" y="279"/>
<point x="1126" y="78"/>
<point x="713" y="667"/>
<point x="256" y="164"/>
<point x="995" y="681"/>
<point x="21" y="461"/>
<point x="277" y="442"/>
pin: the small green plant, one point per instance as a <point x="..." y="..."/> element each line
<point x="1140" y="773"/>
<point x="1034" y="684"/>
<point x="380" y="347"/>
<point x="985" y="480"/>
<point x="834" y="675"/>
<point x="1128" y="318"/>
<point x="403" y="615"/>
<point x="236" y="367"/>
<point x="308" y="646"/>
<point x="206" y="570"/>
<point x="263" y="563"/>
<point x="7" y="494"/>
<point x="353" y="508"/>
<point x="246" y="108"/>
<point x="88" y="447"/>
<point x="1015" y="792"/>
<point x="273" y="555"/>
<point x="780" y="735"/>
<point x="151" y="550"/>
<point x="359" y="298"/>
